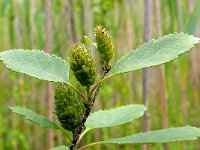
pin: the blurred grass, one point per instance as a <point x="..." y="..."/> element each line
<point x="22" y="26"/>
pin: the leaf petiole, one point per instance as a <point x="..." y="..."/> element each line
<point x="75" y="89"/>
<point x="98" y="84"/>
<point x="89" y="145"/>
<point x="83" y="134"/>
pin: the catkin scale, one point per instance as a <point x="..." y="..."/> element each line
<point x="68" y="109"/>
<point x="104" y="44"/>
<point x="82" y="65"/>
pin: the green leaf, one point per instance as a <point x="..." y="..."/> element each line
<point x="88" y="41"/>
<point x="113" y="117"/>
<point x="62" y="147"/>
<point x="36" y="63"/>
<point x="30" y="115"/>
<point x="155" y="52"/>
<point x="159" y="136"/>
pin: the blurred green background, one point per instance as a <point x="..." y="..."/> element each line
<point x="22" y="25"/>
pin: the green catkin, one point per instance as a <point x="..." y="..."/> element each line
<point x="104" y="44"/>
<point x="82" y="65"/>
<point x="68" y="109"/>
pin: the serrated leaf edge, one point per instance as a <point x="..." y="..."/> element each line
<point x="192" y="138"/>
<point x="42" y="52"/>
<point x="144" y="44"/>
<point x="139" y="115"/>
<point x="12" y="108"/>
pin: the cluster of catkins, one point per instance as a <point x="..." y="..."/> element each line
<point x="68" y="109"/>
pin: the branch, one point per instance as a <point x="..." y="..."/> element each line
<point x="86" y="114"/>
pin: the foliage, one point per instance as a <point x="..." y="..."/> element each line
<point x="32" y="116"/>
<point x="155" y="52"/>
<point x="159" y="136"/>
<point x="114" y="117"/>
<point x="62" y="147"/>
<point x="52" y="68"/>
<point x="37" y="64"/>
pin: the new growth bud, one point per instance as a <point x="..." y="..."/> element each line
<point x="83" y="66"/>
<point x="68" y="109"/>
<point x="104" y="44"/>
